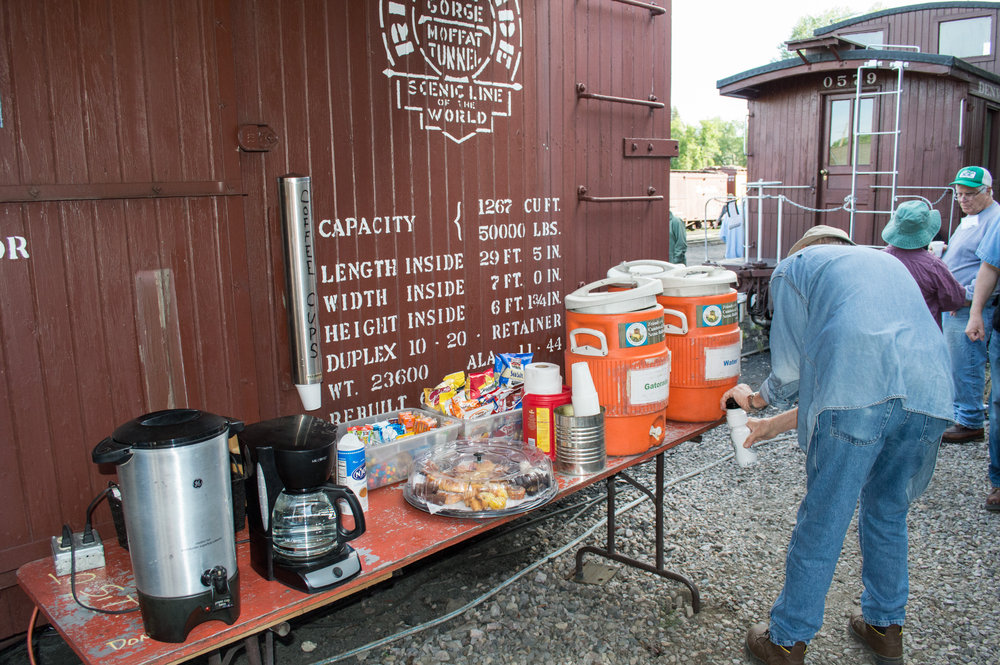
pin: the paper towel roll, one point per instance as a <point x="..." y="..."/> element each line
<point x="542" y="379"/>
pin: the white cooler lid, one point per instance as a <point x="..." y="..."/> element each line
<point x="693" y="281"/>
<point x="626" y="270"/>
<point x="639" y="293"/>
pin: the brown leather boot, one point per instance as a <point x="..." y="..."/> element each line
<point x="761" y="649"/>
<point x="886" y="643"/>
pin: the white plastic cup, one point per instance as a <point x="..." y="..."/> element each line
<point x="937" y="248"/>
<point x="738" y="432"/>
<point x="585" y="402"/>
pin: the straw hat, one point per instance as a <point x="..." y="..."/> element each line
<point x="913" y="225"/>
<point x="817" y="233"/>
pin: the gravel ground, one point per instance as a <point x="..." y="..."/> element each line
<point x="727" y="530"/>
<point x="506" y="598"/>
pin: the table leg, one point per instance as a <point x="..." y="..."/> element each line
<point x="252" y="646"/>
<point x="609" y="552"/>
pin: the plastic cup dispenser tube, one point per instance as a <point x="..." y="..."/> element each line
<point x="585" y="401"/>
<point x="295" y="196"/>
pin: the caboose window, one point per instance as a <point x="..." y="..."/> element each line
<point x="842" y="130"/>
<point x="871" y="38"/>
<point x="966" y="38"/>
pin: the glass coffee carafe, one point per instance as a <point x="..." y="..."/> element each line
<point x="305" y="525"/>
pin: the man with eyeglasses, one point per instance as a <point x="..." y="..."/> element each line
<point x="974" y="193"/>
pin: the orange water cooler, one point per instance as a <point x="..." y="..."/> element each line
<point x="701" y="322"/>
<point x="619" y="334"/>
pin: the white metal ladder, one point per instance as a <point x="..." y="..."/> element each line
<point x="897" y="93"/>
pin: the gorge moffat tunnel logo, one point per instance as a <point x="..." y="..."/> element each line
<point x="454" y="63"/>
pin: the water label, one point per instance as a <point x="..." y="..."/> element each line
<point x="722" y="362"/>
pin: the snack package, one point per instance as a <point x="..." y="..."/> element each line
<point x="510" y="367"/>
<point x="482" y="383"/>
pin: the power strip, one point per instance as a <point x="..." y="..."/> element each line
<point x="88" y="555"/>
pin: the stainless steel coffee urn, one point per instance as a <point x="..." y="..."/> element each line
<point x="173" y="470"/>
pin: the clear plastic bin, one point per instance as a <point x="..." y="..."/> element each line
<point x="392" y="462"/>
<point x="505" y="425"/>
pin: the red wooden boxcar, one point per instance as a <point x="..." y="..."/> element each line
<point x="471" y="161"/>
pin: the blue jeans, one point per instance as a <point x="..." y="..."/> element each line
<point x="968" y="369"/>
<point x="884" y="456"/>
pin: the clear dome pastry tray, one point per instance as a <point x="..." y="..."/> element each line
<point x="481" y="478"/>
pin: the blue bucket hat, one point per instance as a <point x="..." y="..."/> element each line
<point x="913" y="225"/>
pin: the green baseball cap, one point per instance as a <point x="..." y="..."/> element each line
<point x="973" y="176"/>
<point x="913" y="225"/>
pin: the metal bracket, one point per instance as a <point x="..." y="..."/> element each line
<point x="659" y="148"/>
<point x="256" y="138"/>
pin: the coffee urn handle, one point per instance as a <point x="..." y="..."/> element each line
<point x="336" y="492"/>
<point x="110" y="451"/>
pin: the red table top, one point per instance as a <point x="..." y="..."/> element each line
<point x="397" y="535"/>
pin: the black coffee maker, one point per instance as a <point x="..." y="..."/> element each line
<point x="293" y="511"/>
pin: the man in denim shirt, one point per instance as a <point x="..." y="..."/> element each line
<point x="974" y="193"/>
<point x="854" y="343"/>
<point x="979" y="329"/>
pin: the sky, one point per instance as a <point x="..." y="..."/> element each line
<point x="715" y="40"/>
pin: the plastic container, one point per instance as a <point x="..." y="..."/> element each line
<point x="481" y="478"/>
<point x="351" y="469"/>
<point x="504" y="425"/>
<point x="392" y="462"/>
<point x="701" y="317"/>
<point x="618" y="332"/>
<point x="539" y="430"/>
<point x="736" y="418"/>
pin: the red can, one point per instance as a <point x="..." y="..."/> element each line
<point x="539" y="423"/>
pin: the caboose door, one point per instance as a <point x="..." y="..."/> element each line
<point x="836" y="161"/>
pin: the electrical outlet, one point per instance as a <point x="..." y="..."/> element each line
<point x="88" y="555"/>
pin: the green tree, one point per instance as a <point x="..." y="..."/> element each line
<point x="805" y="26"/>
<point x="711" y="142"/>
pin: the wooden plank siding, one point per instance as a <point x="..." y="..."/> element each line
<point x="120" y="169"/>
<point x="100" y="97"/>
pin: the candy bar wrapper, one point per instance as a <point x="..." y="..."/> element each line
<point x="439" y="397"/>
<point x="455" y="379"/>
<point x="510" y="367"/>
<point x="507" y="399"/>
<point x="470" y="408"/>
<point x="482" y="383"/>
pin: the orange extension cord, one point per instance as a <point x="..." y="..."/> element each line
<point x="31" y="629"/>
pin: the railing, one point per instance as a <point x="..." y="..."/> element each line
<point x="581" y="195"/>
<point x="581" y="93"/>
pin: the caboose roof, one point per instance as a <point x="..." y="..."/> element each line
<point x="747" y="84"/>
<point x="825" y="51"/>
<point x="818" y="32"/>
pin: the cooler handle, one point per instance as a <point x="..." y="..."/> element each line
<point x="588" y="350"/>
<point x="672" y="329"/>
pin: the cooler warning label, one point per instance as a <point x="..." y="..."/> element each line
<point x="724" y="314"/>
<point x="640" y="333"/>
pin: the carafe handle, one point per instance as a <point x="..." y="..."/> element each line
<point x="336" y="492"/>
